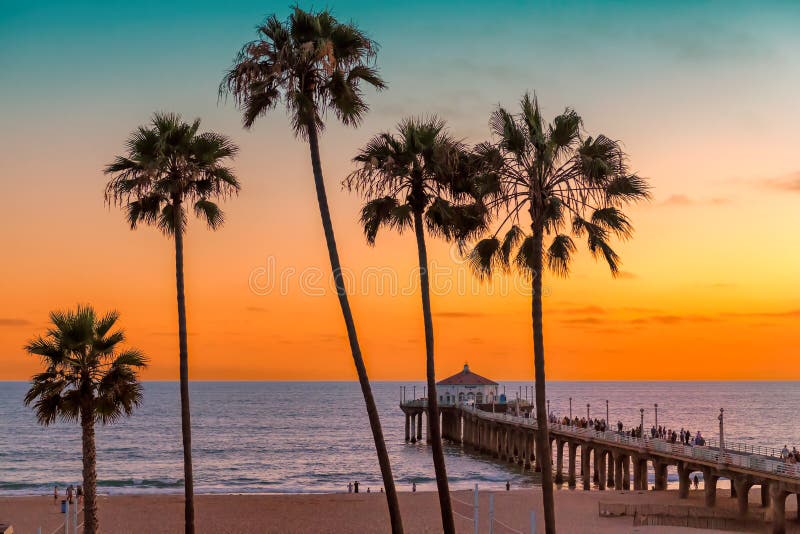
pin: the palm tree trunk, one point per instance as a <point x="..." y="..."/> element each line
<point x="186" y="424"/>
<point x="90" y="524"/>
<point x="448" y="525"/>
<point x="363" y="379"/>
<point x="543" y="435"/>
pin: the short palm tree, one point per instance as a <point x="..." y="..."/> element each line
<point x="313" y="64"/>
<point x="88" y="378"/>
<point x="169" y="168"/>
<point x="569" y="185"/>
<point x="414" y="180"/>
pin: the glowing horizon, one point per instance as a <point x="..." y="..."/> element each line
<point x="703" y="99"/>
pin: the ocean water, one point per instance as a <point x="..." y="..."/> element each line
<point x="294" y="437"/>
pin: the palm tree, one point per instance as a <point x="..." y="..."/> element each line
<point x="170" y="167"/>
<point x="568" y="184"/>
<point x="88" y="378"/>
<point x="411" y="180"/>
<point x="313" y="64"/>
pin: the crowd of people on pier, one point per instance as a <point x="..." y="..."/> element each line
<point x="667" y="434"/>
<point x="790" y="457"/>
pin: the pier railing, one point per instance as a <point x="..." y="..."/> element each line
<point x="748" y="458"/>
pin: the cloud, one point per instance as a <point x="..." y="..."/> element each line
<point x="790" y="182"/>
<point x="258" y="309"/>
<point x="787" y="314"/>
<point x="585" y="310"/>
<point x="685" y="200"/>
<point x="459" y="314"/>
<point x="669" y="319"/>
<point x="11" y="321"/>
<point x="627" y="275"/>
<point x="584" y="321"/>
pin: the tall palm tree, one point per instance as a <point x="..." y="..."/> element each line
<point x="414" y="180"/>
<point x="312" y="63"/>
<point x="567" y="183"/>
<point x="170" y="167"/>
<point x="88" y="378"/>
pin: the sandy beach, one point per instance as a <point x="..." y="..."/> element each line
<point x="349" y="513"/>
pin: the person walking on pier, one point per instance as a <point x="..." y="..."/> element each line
<point x="696" y="482"/>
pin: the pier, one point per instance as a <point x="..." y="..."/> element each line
<point x="615" y="460"/>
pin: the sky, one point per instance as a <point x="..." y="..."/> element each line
<point x="703" y="96"/>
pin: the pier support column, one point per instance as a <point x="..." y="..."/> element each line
<point x="601" y="465"/>
<point x="764" y="494"/>
<point x="643" y="477"/>
<point x="419" y="426"/>
<point x="626" y="472"/>
<point x="710" y="485"/>
<point x="742" y="485"/>
<point x="660" y="469"/>
<point x="778" y="498"/>
<point x="572" y="449"/>
<point x="408" y="429"/>
<point x="595" y="467"/>
<point x="586" y="468"/>
<point x="684" y="483"/>
<point x="611" y="468"/>
<point x="637" y="473"/>
<point x="559" y="462"/>
<point x="733" y="489"/>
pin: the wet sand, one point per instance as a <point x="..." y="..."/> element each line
<point x="576" y="512"/>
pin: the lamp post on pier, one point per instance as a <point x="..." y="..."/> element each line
<point x="548" y="408"/>
<point x="721" y="432"/>
<point x="641" y="427"/>
<point x="424" y="391"/>
<point x="415" y="392"/>
<point x="656" y="406"/>
<point x="570" y="409"/>
<point x="587" y="412"/>
<point x="608" y="419"/>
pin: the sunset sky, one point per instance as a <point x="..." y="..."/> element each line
<point x="705" y="97"/>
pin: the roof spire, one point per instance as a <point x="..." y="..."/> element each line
<point x="466" y="367"/>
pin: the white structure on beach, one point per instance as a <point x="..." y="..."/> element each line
<point x="466" y="387"/>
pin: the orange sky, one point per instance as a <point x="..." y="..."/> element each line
<point x="710" y="289"/>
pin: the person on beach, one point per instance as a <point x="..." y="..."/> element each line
<point x="355" y="486"/>
<point x="70" y="491"/>
<point x="508" y="485"/>
<point x="79" y="493"/>
<point x="413" y="487"/>
<point x="349" y="487"/>
<point x="55" y="493"/>
<point x="696" y="482"/>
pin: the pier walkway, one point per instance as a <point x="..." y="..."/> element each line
<point x="610" y="459"/>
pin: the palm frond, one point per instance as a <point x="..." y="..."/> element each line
<point x="559" y="255"/>
<point x="484" y="258"/>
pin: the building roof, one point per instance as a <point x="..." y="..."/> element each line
<point x="466" y="378"/>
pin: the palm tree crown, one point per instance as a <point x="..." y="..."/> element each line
<point x="84" y="366"/>
<point x="168" y="163"/>
<point x="571" y="185"/>
<point x="421" y="169"/>
<point x="311" y="63"/>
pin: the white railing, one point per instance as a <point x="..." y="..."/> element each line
<point x="708" y="453"/>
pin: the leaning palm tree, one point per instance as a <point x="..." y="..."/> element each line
<point x="312" y="63"/>
<point x="569" y="185"/>
<point x="168" y="169"/>
<point x="88" y="378"/>
<point x="414" y="180"/>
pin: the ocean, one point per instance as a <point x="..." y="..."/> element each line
<point x="295" y="437"/>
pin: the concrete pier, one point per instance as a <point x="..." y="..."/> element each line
<point x="609" y="459"/>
